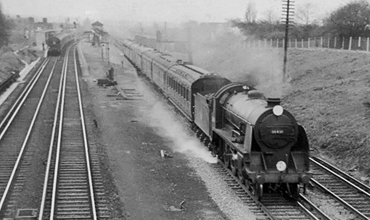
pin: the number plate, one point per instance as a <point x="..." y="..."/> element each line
<point x="277" y="131"/>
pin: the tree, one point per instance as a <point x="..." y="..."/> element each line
<point x="251" y="13"/>
<point x="5" y="27"/>
<point x="271" y="17"/>
<point x="350" y="20"/>
<point x="305" y="13"/>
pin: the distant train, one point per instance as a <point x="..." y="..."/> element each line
<point x="255" y="137"/>
<point x="57" y="41"/>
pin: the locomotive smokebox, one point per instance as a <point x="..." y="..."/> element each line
<point x="271" y="102"/>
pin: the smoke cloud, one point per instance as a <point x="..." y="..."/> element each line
<point x="171" y="126"/>
<point x="228" y="54"/>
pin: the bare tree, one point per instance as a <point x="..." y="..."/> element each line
<point x="305" y="13"/>
<point x="251" y="12"/>
<point x="271" y="17"/>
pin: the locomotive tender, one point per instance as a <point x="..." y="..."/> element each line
<point x="258" y="140"/>
<point x="57" y="42"/>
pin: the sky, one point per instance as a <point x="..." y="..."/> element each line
<point x="173" y="11"/>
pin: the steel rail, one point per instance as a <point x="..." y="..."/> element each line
<point x="86" y="144"/>
<point x="43" y="65"/>
<point x="326" y="190"/>
<point x="20" y="155"/>
<point x="48" y="165"/>
<point x="318" y="162"/>
<point x="21" y="99"/>
<point x="60" y="131"/>
<point x="265" y="211"/>
<point x="313" y="206"/>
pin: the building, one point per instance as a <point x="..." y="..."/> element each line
<point x="97" y="26"/>
<point x="44" y="25"/>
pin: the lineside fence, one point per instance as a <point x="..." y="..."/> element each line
<point x="357" y="44"/>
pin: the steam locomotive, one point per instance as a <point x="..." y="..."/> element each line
<point x="56" y="42"/>
<point x="255" y="137"/>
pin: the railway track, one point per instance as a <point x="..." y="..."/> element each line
<point x="45" y="130"/>
<point x="274" y="205"/>
<point x="348" y="195"/>
<point x="17" y="143"/>
<point x="69" y="191"/>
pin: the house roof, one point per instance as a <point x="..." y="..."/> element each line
<point x="97" y="23"/>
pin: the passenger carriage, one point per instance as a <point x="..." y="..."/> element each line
<point x="186" y="81"/>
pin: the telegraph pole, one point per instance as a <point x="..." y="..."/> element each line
<point x="288" y="16"/>
<point x="108" y="53"/>
<point x="190" y="52"/>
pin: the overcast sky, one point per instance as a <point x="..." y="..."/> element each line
<point x="155" y="10"/>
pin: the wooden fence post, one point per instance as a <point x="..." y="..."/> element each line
<point x="308" y="43"/>
<point x="367" y="44"/>
<point x="359" y="42"/>
<point x="335" y="42"/>
<point x="343" y="43"/>
<point x="302" y="43"/>
<point x="350" y="43"/>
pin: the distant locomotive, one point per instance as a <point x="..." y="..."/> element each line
<point x="56" y="43"/>
<point x="258" y="140"/>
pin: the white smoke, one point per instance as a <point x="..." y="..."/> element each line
<point x="172" y="127"/>
<point x="230" y="56"/>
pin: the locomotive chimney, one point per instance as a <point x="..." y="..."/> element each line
<point x="271" y="102"/>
